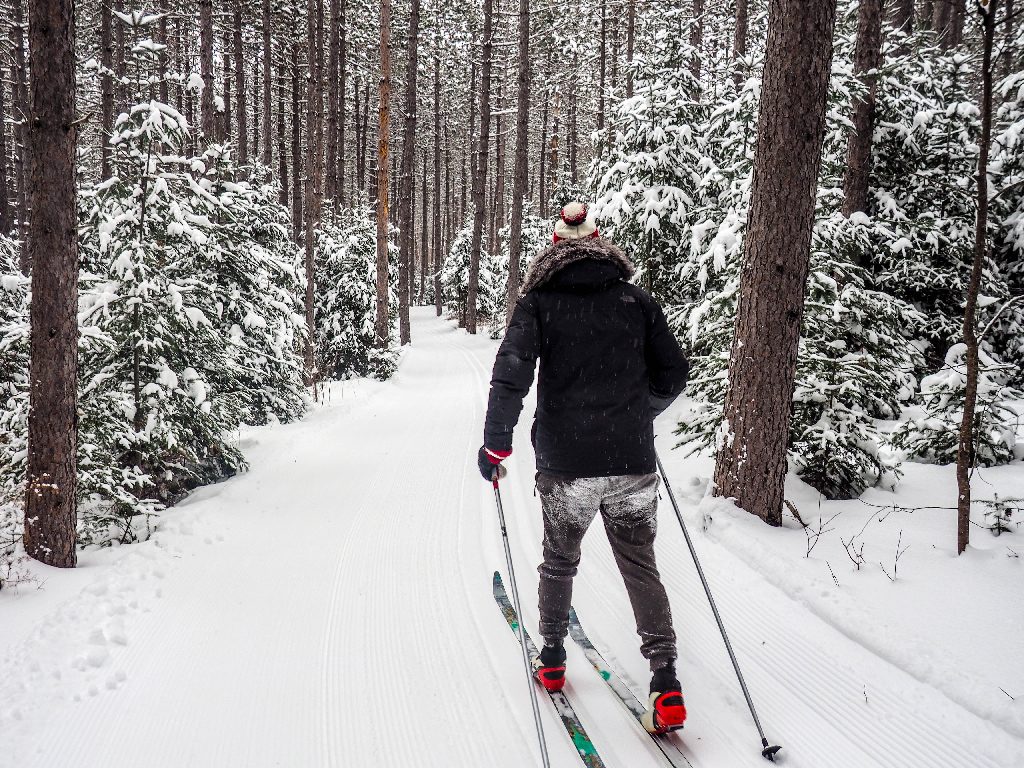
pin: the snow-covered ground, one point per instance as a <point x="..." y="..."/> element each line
<point x="332" y="607"/>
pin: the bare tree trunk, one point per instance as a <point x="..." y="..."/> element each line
<point x="957" y="18"/>
<point x="927" y="14"/>
<point x="51" y="495"/>
<point x="162" y="35"/>
<point x="965" y="455"/>
<point x="120" y="88"/>
<point x="106" y="88"/>
<point x="739" y="41"/>
<point x="382" y="326"/>
<point x="751" y="464"/>
<point x="296" y="146"/>
<point x="541" y="178"/>
<point x="697" y="35"/>
<point x="630" y="43"/>
<point x="498" y="198"/>
<point x="331" y="188"/>
<point x="268" y="56"/>
<point x="341" y="108"/>
<point x="313" y="191"/>
<point x="942" y="14"/>
<point x="554" y="169"/>
<point x="21" y="108"/>
<point x="256" y="108"/>
<point x="1009" y="34"/>
<point x="405" y="196"/>
<point x="209" y="119"/>
<point x="225" y="117"/>
<point x="282" y="154"/>
<point x="437" y="246"/>
<point x="180" y="65"/>
<point x="240" y="93"/>
<point x="515" y="237"/>
<point x="867" y="60"/>
<point x="480" y="170"/>
<point x="424" y="233"/>
<point x="572" y="128"/>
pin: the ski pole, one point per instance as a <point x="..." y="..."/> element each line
<point x="767" y="752"/>
<point x="522" y="630"/>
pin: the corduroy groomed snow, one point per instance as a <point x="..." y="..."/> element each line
<point x="574" y="222"/>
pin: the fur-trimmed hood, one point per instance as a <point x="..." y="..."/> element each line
<point x="556" y="257"/>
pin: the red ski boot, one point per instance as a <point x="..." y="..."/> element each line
<point x="549" y="667"/>
<point x="666" y="710"/>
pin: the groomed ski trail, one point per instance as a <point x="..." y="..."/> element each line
<point x="332" y="607"/>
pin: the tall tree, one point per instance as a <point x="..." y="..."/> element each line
<point x="333" y="56"/>
<point x="52" y="488"/>
<point x="697" y="35"/>
<point x="241" y="113"/>
<point x="208" y="116"/>
<point x="405" y="195"/>
<point x="751" y="464"/>
<point x="903" y="15"/>
<point x="437" y="247"/>
<point x="381" y="327"/>
<point x="314" y="174"/>
<point x="480" y="169"/>
<point x="867" y="60"/>
<point x="297" y="219"/>
<point x="631" y="43"/>
<point x="20" y="109"/>
<point x="106" y="88"/>
<point x="268" y="55"/>
<point x="519" y="174"/>
<point x="739" y="40"/>
<point x="965" y="457"/>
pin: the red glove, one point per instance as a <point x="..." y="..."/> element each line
<point x="488" y="459"/>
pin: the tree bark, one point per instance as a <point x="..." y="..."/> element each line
<point x="630" y="44"/>
<point x="603" y="68"/>
<point x="297" y="184"/>
<point x="334" y="53"/>
<point x="208" y="116"/>
<point x="498" y="200"/>
<point x="5" y="202"/>
<point x="257" y="99"/>
<point x="313" y="190"/>
<point x="697" y="35"/>
<point x="162" y="66"/>
<point x="424" y="233"/>
<point x="240" y="92"/>
<point x="405" y="195"/>
<point x="1009" y="35"/>
<point x="942" y="13"/>
<point x="751" y="463"/>
<point x="225" y="116"/>
<point x="106" y="88"/>
<point x="965" y="455"/>
<point x="382" y="326"/>
<point x="437" y="247"/>
<point x="515" y="236"/>
<point x="268" y="57"/>
<point x="21" y="108"/>
<point x="480" y="170"/>
<point x="867" y="60"/>
<point x="52" y="488"/>
<point x="282" y="155"/>
<point x="957" y="18"/>
<point x="739" y="40"/>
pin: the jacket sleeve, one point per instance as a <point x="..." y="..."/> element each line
<point x="667" y="367"/>
<point x="513" y="375"/>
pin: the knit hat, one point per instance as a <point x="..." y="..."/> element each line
<point x="574" y="222"/>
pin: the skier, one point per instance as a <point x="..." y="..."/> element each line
<point x="608" y="365"/>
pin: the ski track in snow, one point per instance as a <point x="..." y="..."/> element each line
<point x="332" y="607"/>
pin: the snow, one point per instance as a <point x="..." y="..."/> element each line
<point x="332" y="607"/>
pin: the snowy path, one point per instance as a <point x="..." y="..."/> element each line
<point x="332" y="607"/>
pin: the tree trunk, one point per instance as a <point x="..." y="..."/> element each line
<point x="296" y="146"/>
<point x="867" y="60"/>
<point x="405" y="196"/>
<point x="480" y="170"/>
<point x="313" y="191"/>
<point x="697" y="35"/>
<point x="209" y="119"/>
<point x="603" y="66"/>
<point x="341" y="107"/>
<point x="382" y="326"/>
<point x="498" y="198"/>
<point x="20" y="111"/>
<point x="424" y="233"/>
<point x="282" y="155"/>
<point x="162" y="67"/>
<point x="554" y="169"/>
<point x="240" y="93"/>
<point x="965" y="454"/>
<point x="437" y="246"/>
<point x="942" y="14"/>
<point x="541" y="183"/>
<point x="515" y="236"/>
<point x="106" y="88"/>
<point x="1009" y="35"/>
<point x="257" y="99"/>
<point x="51" y="495"/>
<point x="572" y="128"/>
<point x="631" y="42"/>
<point x="5" y="202"/>
<point x="739" y="40"/>
<point x="225" y="117"/>
<point x="751" y="463"/>
<point x="268" y="56"/>
<point x="331" y="188"/>
<point x="957" y="18"/>
<point x="120" y="86"/>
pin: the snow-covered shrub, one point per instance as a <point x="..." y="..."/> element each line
<point x="493" y="280"/>
<point x="257" y="283"/>
<point x="935" y="436"/>
<point x="346" y="297"/>
<point x="152" y="424"/>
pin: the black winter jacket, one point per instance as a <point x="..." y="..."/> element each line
<point x="608" y="364"/>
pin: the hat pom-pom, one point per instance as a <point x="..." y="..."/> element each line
<point x="574" y="214"/>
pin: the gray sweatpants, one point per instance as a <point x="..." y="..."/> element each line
<point x="628" y="505"/>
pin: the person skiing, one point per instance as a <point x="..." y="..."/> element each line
<point x="608" y="365"/>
